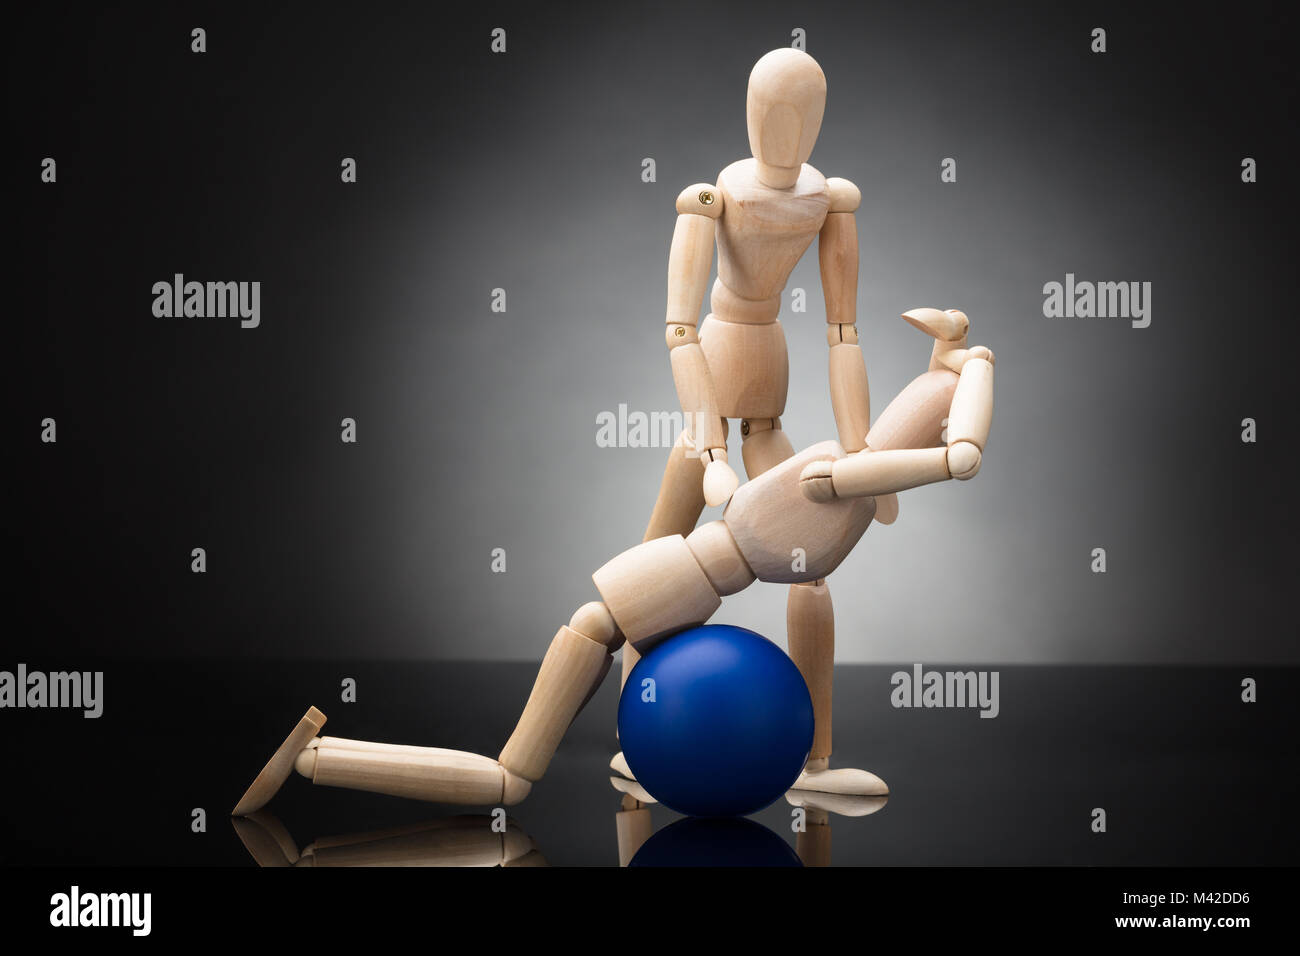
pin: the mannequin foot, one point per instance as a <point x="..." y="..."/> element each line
<point x="277" y="769"/>
<point x="619" y="765"/>
<point x="633" y="790"/>
<point x="843" y="780"/>
<point x="840" y="804"/>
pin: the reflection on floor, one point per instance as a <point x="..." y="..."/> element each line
<point x="498" y="840"/>
<point x="1187" y="773"/>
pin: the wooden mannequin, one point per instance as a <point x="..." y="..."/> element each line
<point x="765" y="212"/>
<point x="820" y="501"/>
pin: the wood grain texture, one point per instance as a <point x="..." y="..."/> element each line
<point x="689" y="259"/>
<point x="845" y="197"/>
<point x="371" y="746"/>
<point x="572" y="665"/>
<point x="837" y="254"/>
<point x="696" y="392"/>
<point x="762" y="449"/>
<point x="850" y="395"/>
<point x="948" y="326"/>
<point x="700" y="199"/>
<point x="748" y="367"/>
<point x="278" y="768"/>
<point x="594" y="622"/>
<point x="972" y="404"/>
<point x="630" y="657"/>
<point x="764" y="231"/>
<point x="769" y="518"/>
<point x="810" y="632"/>
<point x="681" y="493"/>
<point x="656" y="588"/>
<point x="914" y="419"/>
<point x="719" y="558"/>
<point x="440" y="776"/>
<point x="840" y="804"/>
<point x="731" y="307"/>
<point x="872" y="473"/>
<point x="844" y="780"/>
<point x="784" y="106"/>
<point x="886" y="508"/>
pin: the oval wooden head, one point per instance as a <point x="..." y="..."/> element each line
<point x="783" y="111"/>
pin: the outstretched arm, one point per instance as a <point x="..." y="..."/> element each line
<point x="691" y="255"/>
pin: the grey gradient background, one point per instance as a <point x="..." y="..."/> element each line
<point x="477" y="430"/>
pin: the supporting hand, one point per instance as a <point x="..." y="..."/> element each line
<point x="720" y="480"/>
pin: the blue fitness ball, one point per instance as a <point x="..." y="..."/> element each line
<point x="715" y="721"/>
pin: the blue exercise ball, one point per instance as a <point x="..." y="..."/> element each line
<point x="715" y="721"/>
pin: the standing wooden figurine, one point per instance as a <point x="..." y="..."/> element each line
<point x="765" y="212"/>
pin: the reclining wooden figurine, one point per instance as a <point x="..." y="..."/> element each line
<point x="819" y="501"/>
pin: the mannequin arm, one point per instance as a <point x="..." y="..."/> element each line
<point x="837" y="250"/>
<point x="689" y="259"/>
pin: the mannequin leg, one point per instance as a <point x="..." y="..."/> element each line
<point x="577" y="660"/>
<point x="810" y="631"/>
<point x="657" y="588"/>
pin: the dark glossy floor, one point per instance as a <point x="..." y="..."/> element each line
<point x="1187" y="773"/>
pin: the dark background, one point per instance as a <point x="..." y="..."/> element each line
<point x="522" y="171"/>
<point x="477" y="429"/>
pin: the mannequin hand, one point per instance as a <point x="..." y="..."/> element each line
<point x="719" y="480"/>
<point x="815" y="481"/>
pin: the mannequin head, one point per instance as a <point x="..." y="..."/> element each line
<point x="783" y="110"/>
